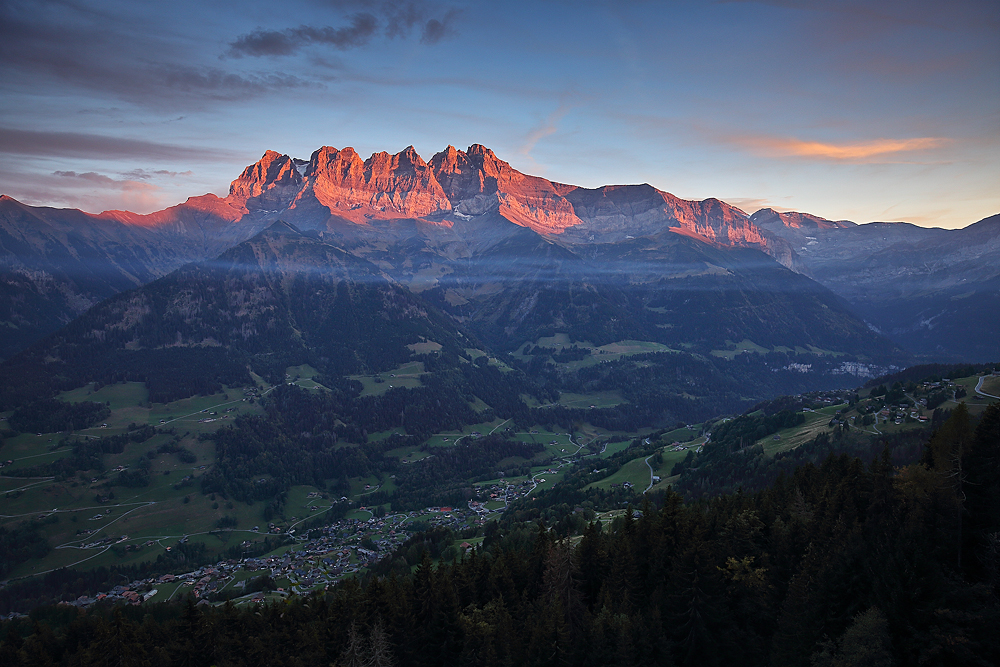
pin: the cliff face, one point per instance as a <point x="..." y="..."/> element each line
<point x="67" y="260"/>
<point x="383" y="186"/>
<point x="270" y="183"/>
<point x="459" y="185"/>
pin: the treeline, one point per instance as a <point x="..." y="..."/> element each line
<point x="665" y="387"/>
<point x="932" y="373"/>
<point x="170" y="373"/>
<point x="303" y="437"/>
<point x="51" y="416"/>
<point x="750" y="469"/>
<point x="836" y="564"/>
<point x="735" y="434"/>
<point x="24" y="541"/>
<point x="570" y="494"/>
<point x="446" y="477"/>
<point x="88" y="453"/>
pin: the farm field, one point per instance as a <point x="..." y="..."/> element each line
<point x="635" y="471"/>
<point x="991" y="385"/>
<point x="405" y="375"/>
<point x="597" y="399"/>
<point x="816" y="423"/>
<point x="597" y="353"/>
<point x="303" y="376"/>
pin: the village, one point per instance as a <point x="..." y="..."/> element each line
<point x="343" y="548"/>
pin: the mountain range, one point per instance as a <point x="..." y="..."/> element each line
<point x="512" y="257"/>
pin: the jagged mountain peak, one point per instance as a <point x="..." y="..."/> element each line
<point x="272" y="171"/>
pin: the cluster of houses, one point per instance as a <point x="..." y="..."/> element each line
<point x="505" y="491"/>
<point x="342" y="549"/>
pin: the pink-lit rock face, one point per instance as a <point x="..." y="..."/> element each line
<point x="270" y="183"/>
<point x="640" y="210"/>
<point x="470" y="183"/>
<point x="383" y="186"/>
<point x="477" y="181"/>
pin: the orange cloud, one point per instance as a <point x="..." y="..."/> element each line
<point x="788" y="147"/>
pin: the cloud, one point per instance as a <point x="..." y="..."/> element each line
<point x="751" y="205"/>
<point x="144" y="175"/>
<point x="861" y="151"/>
<point x="129" y="57"/>
<point x="548" y="127"/>
<point x="219" y="84"/>
<point x="397" y="20"/>
<point x="435" y="30"/>
<point x="95" y="180"/>
<point x="89" y="191"/>
<point x="286" y="42"/>
<point x="74" y="144"/>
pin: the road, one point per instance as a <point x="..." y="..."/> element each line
<point x="979" y="388"/>
<point x="650" y="473"/>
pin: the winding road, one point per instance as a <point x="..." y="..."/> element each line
<point x="650" y="473"/>
<point x="979" y="388"/>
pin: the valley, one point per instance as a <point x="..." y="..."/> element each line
<point x="96" y="518"/>
<point x="349" y="374"/>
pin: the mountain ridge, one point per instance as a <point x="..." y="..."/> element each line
<point x="461" y="204"/>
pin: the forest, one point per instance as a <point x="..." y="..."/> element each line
<point x="843" y="563"/>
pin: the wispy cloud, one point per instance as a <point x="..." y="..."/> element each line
<point x="124" y="56"/>
<point x="857" y="151"/>
<point x="73" y="144"/>
<point x="87" y="190"/>
<point x="145" y="175"/>
<point x="96" y="180"/>
<point x="548" y="127"/>
<point x="289" y="41"/>
<point x="395" y="19"/>
<point x="751" y="205"/>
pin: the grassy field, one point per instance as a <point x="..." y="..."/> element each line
<point x="546" y="480"/>
<point x="635" y="471"/>
<point x="670" y="458"/>
<point x="77" y="512"/>
<point x="615" y="447"/>
<point x="816" y="423"/>
<point x="746" y="345"/>
<point x="303" y="376"/>
<point x="991" y="385"/>
<point x="117" y="396"/>
<point x="597" y="399"/>
<point x="408" y="454"/>
<point x="732" y="349"/>
<point x="682" y="434"/>
<point x="609" y="352"/>
<point x="474" y="353"/>
<point x="405" y="375"/>
<point x="424" y="347"/>
<point x="450" y="438"/>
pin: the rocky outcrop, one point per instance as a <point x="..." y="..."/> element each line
<point x="383" y="186"/>
<point x="477" y="181"/>
<point x="458" y="184"/>
<point x="271" y="183"/>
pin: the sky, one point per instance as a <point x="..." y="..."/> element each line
<point x="862" y="111"/>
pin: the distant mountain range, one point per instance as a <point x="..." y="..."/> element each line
<point x="511" y="258"/>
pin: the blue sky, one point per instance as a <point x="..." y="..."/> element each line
<point x="849" y="110"/>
